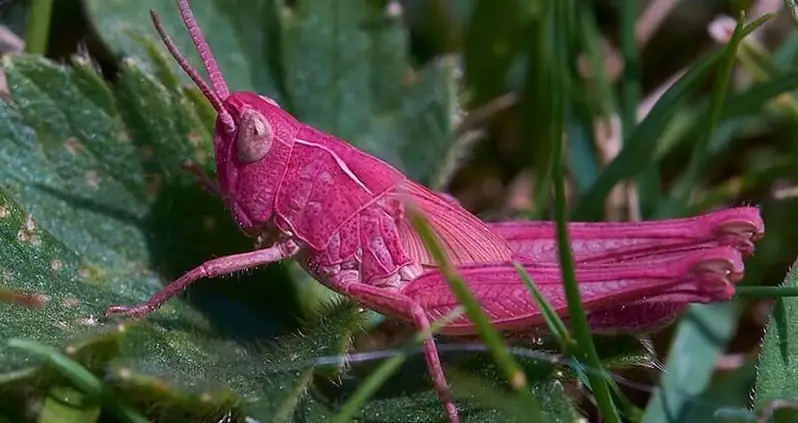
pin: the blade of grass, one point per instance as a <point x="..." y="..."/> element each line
<point x="630" y="79"/>
<point x="38" y="29"/>
<point x="687" y="124"/>
<point x="752" y="99"/>
<point x="679" y="197"/>
<point x="599" y="103"/>
<point x="82" y="378"/>
<point x="557" y="327"/>
<point x="766" y="291"/>
<point x="535" y="128"/>
<point x="378" y="377"/>
<point x="584" y="348"/>
<point x="737" y="106"/>
<point x="576" y="313"/>
<point x="760" y="64"/>
<point x="648" y="186"/>
<point x="553" y="321"/>
<point x="590" y="35"/>
<point x="639" y="150"/>
<point x="67" y="405"/>
<point x="485" y="329"/>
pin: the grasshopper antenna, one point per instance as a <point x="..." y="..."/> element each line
<point x="220" y="90"/>
<point x="211" y="67"/>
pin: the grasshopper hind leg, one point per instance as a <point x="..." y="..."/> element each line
<point x="390" y="302"/>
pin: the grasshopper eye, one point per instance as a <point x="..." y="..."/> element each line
<point x="255" y="136"/>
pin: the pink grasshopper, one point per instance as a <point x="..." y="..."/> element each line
<point x="304" y="193"/>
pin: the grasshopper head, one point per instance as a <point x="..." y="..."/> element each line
<point x="253" y="136"/>
<point x="252" y="157"/>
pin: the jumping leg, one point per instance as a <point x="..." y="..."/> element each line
<point x="391" y="302"/>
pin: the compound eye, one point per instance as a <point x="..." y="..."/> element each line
<point x="255" y="136"/>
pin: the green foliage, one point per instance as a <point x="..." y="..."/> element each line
<point x="777" y="375"/>
<point x="341" y="67"/>
<point x="244" y="36"/>
<point x="95" y="210"/>
<point x="108" y="195"/>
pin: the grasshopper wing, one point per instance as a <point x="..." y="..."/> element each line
<point x="603" y="242"/>
<point x="464" y="237"/>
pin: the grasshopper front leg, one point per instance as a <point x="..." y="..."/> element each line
<point x="210" y="269"/>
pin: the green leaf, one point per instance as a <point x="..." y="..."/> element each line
<point x="777" y="374"/>
<point x="700" y="339"/>
<point x="729" y="391"/>
<point x="347" y="73"/>
<point x="341" y="67"/>
<point x="82" y="379"/>
<point x="95" y="210"/>
<point x="243" y="35"/>
<point x="108" y="218"/>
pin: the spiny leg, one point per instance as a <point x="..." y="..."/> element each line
<point x="381" y="299"/>
<point x="210" y="269"/>
<point x="434" y="364"/>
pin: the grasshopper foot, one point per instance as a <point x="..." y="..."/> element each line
<point x="717" y="272"/>
<point x="136" y="312"/>
<point x="742" y="236"/>
<point x="740" y="227"/>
